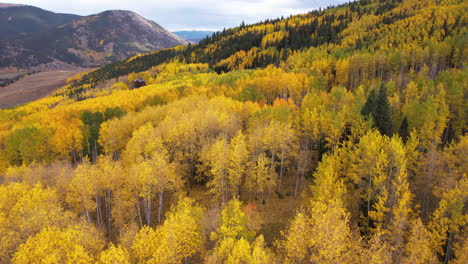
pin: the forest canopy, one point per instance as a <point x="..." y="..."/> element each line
<point x="336" y="136"/>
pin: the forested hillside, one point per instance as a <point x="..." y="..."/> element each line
<point x="337" y="136"/>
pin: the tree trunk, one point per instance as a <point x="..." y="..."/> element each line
<point x="161" y="196"/>
<point x="148" y="211"/>
<point x="88" y="217"/>
<point x="98" y="210"/>
<point x="369" y="189"/>
<point x="281" y="169"/>
<point x="94" y="152"/>
<point x="297" y="182"/>
<point x="139" y="212"/>
<point x="109" y="213"/>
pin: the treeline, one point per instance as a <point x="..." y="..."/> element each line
<point x="338" y="29"/>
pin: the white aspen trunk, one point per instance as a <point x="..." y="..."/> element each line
<point x="161" y="196"/>
<point x="109" y="212"/>
<point x="368" y="201"/>
<point x="98" y="211"/>
<point x="281" y="169"/>
<point x="148" y="211"/>
<point x="88" y="217"/>
<point x="139" y="212"/>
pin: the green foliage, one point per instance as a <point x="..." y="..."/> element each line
<point x="29" y="144"/>
<point x="378" y="107"/>
<point x="403" y="131"/>
<point x="234" y="223"/>
<point x="251" y="93"/>
<point x="382" y="114"/>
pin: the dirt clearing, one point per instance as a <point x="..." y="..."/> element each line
<point x="33" y="87"/>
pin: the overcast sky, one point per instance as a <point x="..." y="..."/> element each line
<point x="188" y="14"/>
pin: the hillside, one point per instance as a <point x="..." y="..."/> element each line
<point x="89" y="41"/>
<point x="336" y="136"/>
<point x="20" y="20"/>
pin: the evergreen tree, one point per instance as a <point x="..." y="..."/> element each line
<point x="379" y="108"/>
<point x="382" y="115"/>
<point x="370" y="105"/>
<point x="403" y="131"/>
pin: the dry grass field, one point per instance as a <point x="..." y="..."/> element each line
<point x="33" y="87"/>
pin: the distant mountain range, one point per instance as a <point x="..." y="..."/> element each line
<point x="32" y="37"/>
<point x="193" y="36"/>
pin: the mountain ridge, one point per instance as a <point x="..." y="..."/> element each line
<point x="20" y="20"/>
<point x="88" y="41"/>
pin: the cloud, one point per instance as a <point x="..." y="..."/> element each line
<point x="190" y="14"/>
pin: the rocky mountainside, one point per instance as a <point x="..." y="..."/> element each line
<point x="89" y="41"/>
<point x="20" y="20"/>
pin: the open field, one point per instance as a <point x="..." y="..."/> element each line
<point x="10" y="74"/>
<point x="33" y="87"/>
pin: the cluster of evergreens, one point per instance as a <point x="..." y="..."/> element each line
<point x="337" y="136"/>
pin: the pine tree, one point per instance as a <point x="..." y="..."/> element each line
<point x="383" y="114"/>
<point x="378" y="107"/>
<point x="404" y="130"/>
<point x="370" y="106"/>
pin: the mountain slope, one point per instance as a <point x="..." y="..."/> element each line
<point x="18" y="21"/>
<point x="338" y="29"/>
<point x="90" y="41"/>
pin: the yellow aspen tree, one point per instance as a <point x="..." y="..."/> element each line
<point x="260" y="252"/>
<point x="379" y="250"/>
<point x="179" y="238"/>
<point x="259" y="179"/>
<point x="109" y="174"/>
<point x="238" y="162"/>
<point x="145" y="243"/>
<point x="418" y="248"/>
<point x="284" y="138"/>
<point x="10" y="194"/>
<point x="164" y="172"/>
<point x="294" y="246"/>
<point x="401" y="211"/>
<point x="366" y="162"/>
<point x="461" y="251"/>
<point x="328" y="236"/>
<point x="140" y="170"/>
<point x="30" y="212"/>
<point x="234" y="222"/>
<point x="181" y="234"/>
<point x="448" y="221"/>
<point x="113" y="254"/>
<point x="232" y="250"/>
<point x="55" y="245"/>
<point x="83" y="189"/>
<point x="149" y="164"/>
<point x="143" y="187"/>
<point x="330" y="243"/>
<point x="218" y="184"/>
